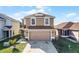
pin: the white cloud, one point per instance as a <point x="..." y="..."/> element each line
<point x="71" y="14"/>
<point x="39" y="7"/>
<point x="76" y="19"/>
<point x="60" y="20"/>
<point x="69" y="17"/>
<point x="42" y="9"/>
<point x="21" y="14"/>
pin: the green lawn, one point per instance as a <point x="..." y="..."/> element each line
<point x="12" y="41"/>
<point x="19" y="48"/>
<point x="62" y="46"/>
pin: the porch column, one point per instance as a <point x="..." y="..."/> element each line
<point x="4" y="34"/>
<point x="12" y="33"/>
<point x="51" y="34"/>
<point x="28" y="34"/>
<point x="9" y="34"/>
<point x="62" y="32"/>
<point x="24" y="33"/>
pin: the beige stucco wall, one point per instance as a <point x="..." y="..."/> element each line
<point x="39" y="21"/>
<point x="75" y="35"/>
<point x="1" y="27"/>
<point x="27" y="22"/>
<point x="53" y="32"/>
<point x="51" y="22"/>
<point x="26" y="33"/>
<point x="16" y="27"/>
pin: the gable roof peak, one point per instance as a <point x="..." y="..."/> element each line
<point x="39" y="14"/>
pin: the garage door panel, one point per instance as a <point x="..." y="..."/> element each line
<point x="39" y="35"/>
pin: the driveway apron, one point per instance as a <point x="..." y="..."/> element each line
<point x="40" y="47"/>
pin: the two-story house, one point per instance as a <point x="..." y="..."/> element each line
<point x="8" y="26"/>
<point x="38" y="26"/>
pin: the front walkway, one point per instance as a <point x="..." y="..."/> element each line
<point x="40" y="47"/>
<point x="74" y="41"/>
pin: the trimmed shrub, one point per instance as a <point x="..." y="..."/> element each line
<point x="12" y="42"/>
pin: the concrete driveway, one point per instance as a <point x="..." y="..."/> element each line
<point x="40" y="47"/>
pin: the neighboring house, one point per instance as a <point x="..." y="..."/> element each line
<point x="68" y="29"/>
<point x="38" y="26"/>
<point x="8" y="26"/>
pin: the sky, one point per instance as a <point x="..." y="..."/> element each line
<point x="61" y="13"/>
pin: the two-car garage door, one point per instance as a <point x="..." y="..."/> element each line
<point x="39" y="35"/>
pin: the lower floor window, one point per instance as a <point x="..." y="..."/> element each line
<point x="7" y="33"/>
<point x="65" y="32"/>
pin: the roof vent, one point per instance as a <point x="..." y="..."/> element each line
<point x="39" y="14"/>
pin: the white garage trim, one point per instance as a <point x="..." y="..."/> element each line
<point x="28" y="35"/>
<point x="40" y="30"/>
<point x="52" y="37"/>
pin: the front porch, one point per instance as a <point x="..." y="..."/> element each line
<point x="73" y="35"/>
<point x="64" y="32"/>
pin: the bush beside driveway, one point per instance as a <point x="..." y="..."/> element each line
<point x="19" y="48"/>
<point x="12" y="42"/>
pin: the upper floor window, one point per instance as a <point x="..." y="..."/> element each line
<point x="33" y="21"/>
<point x="8" y="23"/>
<point x="46" y="21"/>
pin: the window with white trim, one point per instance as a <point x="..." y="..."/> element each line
<point x="66" y="32"/>
<point x="33" y="21"/>
<point x="46" y="21"/>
